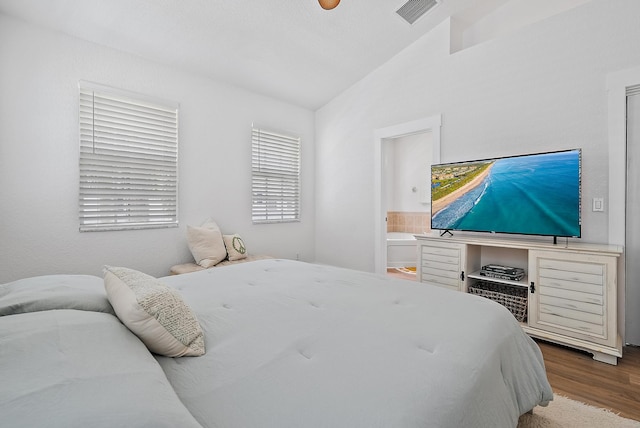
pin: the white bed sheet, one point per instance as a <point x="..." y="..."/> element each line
<point x="291" y="344"/>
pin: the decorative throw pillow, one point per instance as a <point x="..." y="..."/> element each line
<point x="235" y="247"/>
<point x="206" y="244"/>
<point x="156" y="313"/>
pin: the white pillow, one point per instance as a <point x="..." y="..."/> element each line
<point x="236" y="249"/>
<point x="154" y="312"/>
<point x="206" y="244"/>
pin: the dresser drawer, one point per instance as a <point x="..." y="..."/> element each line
<point x="577" y="320"/>
<point x="441" y="281"/>
<point x="440" y="251"/>
<point x="441" y="261"/>
<point x="441" y="265"/>
<point x="571" y="297"/>
<point x="437" y="278"/>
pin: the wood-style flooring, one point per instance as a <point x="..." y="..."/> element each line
<point x="575" y="374"/>
<point x="398" y="274"/>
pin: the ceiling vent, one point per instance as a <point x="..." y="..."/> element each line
<point x="412" y="10"/>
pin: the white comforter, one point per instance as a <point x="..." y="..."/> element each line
<point x="66" y="361"/>
<point x="291" y="344"/>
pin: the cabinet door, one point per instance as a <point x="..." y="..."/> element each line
<point x="574" y="295"/>
<point x="441" y="264"/>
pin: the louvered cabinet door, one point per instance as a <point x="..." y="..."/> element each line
<point x="574" y="295"/>
<point x="442" y="264"/>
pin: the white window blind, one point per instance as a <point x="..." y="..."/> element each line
<point x="275" y="170"/>
<point x="128" y="160"/>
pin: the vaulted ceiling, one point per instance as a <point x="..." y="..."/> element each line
<point x="288" y="49"/>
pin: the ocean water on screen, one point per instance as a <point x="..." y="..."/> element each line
<point x="537" y="194"/>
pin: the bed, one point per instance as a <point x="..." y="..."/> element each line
<point x="288" y="344"/>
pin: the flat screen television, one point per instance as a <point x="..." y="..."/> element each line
<point x="533" y="194"/>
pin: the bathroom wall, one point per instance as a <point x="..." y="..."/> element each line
<point x="408" y="221"/>
<point x="407" y="163"/>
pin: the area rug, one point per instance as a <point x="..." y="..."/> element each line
<point x="563" y="412"/>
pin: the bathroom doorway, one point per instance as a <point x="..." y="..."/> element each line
<point x="406" y="184"/>
<point x="401" y="185"/>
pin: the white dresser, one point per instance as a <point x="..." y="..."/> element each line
<point x="571" y="290"/>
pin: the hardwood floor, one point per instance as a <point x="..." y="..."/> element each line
<point x="576" y="375"/>
<point x="398" y="274"/>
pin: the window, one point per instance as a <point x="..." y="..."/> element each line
<point x="128" y="160"/>
<point x="275" y="167"/>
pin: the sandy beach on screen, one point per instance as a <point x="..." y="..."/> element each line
<point x="444" y="202"/>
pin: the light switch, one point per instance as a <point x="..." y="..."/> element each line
<point x="598" y="204"/>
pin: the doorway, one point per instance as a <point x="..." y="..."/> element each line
<point x="624" y="201"/>
<point x="382" y="139"/>
<point x="632" y="234"/>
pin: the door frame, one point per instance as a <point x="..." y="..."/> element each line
<point x="617" y="84"/>
<point x="428" y="124"/>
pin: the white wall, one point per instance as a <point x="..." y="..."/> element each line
<point x="39" y="159"/>
<point x="410" y="177"/>
<point x="508" y="18"/>
<point x="541" y="88"/>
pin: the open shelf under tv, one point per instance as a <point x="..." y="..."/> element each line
<point x="524" y="282"/>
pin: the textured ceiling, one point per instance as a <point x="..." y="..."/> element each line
<point x="288" y="49"/>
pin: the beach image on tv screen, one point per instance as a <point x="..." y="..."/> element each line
<point x="535" y="195"/>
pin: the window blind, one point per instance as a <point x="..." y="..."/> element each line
<point x="275" y="166"/>
<point x="128" y="160"/>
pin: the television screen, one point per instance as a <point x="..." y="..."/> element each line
<point x="535" y="194"/>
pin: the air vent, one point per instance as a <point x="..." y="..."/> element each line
<point x="633" y="90"/>
<point x="412" y="10"/>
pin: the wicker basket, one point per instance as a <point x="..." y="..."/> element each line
<point x="511" y="297"/>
